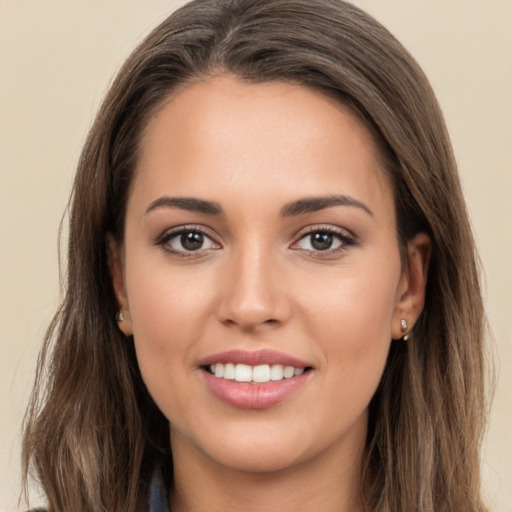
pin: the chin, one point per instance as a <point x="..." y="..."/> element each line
<point x="247" y="446"/>
<point x="259" y="460"/>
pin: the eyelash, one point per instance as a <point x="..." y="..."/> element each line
<point x="345" y="240"/>
<point x="165" y="238"/>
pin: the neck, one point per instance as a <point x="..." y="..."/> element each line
<point x="330" y="482"/>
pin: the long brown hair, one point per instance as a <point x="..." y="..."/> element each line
<point x="93" y="433"/>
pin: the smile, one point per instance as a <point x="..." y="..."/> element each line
<point x="257" y="374"/>
<point x="254" y="380"/>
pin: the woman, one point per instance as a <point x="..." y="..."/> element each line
<point x="272" y="298"/>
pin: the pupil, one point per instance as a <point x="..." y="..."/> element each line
<point x="192" y="241"/>
<point x="321" y="241"/>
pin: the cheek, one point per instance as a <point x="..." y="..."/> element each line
<point x="357" y="305"/>
<point x="350" y="317"/>
<point x="352" y="328"/>
<point x="168" y="311"/>
<point x="164" y="300"/>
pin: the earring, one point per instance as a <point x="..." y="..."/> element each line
<point x="403" y="327"/>
<point x="120" y="316"/>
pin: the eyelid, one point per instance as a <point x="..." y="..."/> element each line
<point x="346" y="237"/>
<point x="173" y="232"/>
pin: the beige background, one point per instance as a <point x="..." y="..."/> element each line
<point x="57" y="59"/>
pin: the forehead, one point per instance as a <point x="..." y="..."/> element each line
<point x="257" y="139"/>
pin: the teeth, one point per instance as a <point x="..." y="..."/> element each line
<point x="219" y="370"/>
<point x="243" y="372"/>
<point x="276" y="372"/>
<point x="288" y="372"/>
<point x="259" y="373"/>
<point x="229" y="371"/>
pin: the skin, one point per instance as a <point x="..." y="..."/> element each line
<point x="258" y="283"/>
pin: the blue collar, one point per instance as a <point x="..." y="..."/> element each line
<point x="158" y="494"/>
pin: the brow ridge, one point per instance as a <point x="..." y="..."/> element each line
<point x="314" y="204"/>
<point x="186" y="203"/>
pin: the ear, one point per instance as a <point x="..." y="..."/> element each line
<point x="410" y="297"/>
<point x="116" y="267"/>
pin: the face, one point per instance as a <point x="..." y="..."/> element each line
<point x="260" y="274"/>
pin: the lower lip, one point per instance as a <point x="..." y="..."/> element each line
<point x="245" y="395"/>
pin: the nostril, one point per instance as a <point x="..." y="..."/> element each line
<point x="249" y="324"/>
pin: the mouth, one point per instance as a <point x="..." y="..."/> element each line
<point x="254" y="380"/>
<point x="257" y="374"/>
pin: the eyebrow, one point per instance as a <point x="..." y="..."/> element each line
<point x="191" y="204"/>
<point x="315" y="204"/>
<point x="306" y="205"/>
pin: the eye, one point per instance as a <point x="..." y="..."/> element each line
<point x="185" y="241"/>
<point x="319" y="241"/>
<point x="328" y="241"/>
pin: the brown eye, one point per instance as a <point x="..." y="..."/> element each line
<point x="185" y="241"/>
<point x="192" y="241"/>
<point x="321" y="241"/>
<point x="318" y="241"/>
<point x="324" y="242"/>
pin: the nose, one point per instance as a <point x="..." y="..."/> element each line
<point x="253" y="292"/>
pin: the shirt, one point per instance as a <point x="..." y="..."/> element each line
<point x="158" y="494"/>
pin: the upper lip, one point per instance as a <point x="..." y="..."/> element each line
<point x="253" y="358"/>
